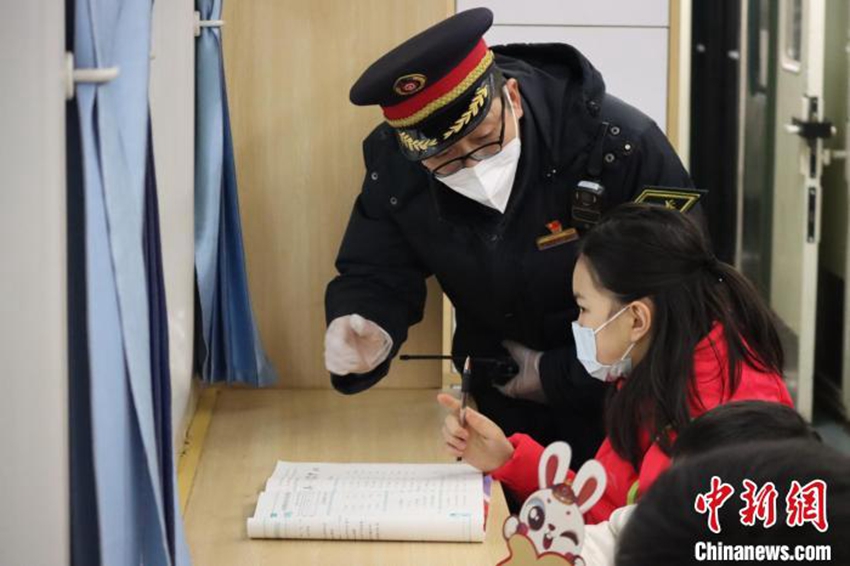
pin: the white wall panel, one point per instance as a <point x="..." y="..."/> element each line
<point x="172" y="97"/>
<point x="633" y="61"/>
<point x="34" y="514"/>
<point x="631" y="13"/>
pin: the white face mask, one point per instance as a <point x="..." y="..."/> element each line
<point x="585" y="339"/>
<point x="490" y="181"/>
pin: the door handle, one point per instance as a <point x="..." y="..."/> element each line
<point x="811" y="130"/>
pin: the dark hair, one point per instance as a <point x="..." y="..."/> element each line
<point x="664" y="527"/>
<point x="644" y="251"/>
<point x="738" y="422"/>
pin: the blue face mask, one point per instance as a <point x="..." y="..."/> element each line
<point x="585" y="339"/>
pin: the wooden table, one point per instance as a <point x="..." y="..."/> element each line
<point x="252" y="430"/>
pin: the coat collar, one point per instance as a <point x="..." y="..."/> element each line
<point x="564" y="94"/>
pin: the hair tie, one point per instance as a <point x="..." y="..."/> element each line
<point x="713" y="266"/>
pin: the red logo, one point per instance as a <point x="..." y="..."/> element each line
<point x="803" y="504"/>
<point x="409" y="84"/>
<point x="807" y="504"/>
<point x="712" y="501"/>
<point x="760" y="504"/>
<point x="555" y="227"/>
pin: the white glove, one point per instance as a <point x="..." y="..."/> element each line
<point x="526" y="383"/>
<point x="355" y="345"/>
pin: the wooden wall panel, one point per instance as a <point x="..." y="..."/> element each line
<point x="297" y="138"/>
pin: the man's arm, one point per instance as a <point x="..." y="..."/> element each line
<point x="658" y="165"/>
<point x="379" y="279"/>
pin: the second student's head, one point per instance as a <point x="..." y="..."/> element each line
<point x="738" y="422"/>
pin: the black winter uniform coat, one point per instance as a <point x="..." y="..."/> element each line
<point x="407" y="226"/>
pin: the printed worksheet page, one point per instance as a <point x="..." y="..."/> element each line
<point x="371" y="502"/>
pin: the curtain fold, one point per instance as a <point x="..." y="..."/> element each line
<point x="233" y="351"/>
<point x="121" y="438"/>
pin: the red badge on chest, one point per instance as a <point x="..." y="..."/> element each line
<point x="557" y="236"/>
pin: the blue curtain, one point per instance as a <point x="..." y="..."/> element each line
<point x="121" y="454"/>
<point x="232" y="348"/>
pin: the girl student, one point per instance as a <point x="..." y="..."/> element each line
<point x="674" y="330"/>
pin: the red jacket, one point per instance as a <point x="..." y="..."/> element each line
<point x="519" y="474"/>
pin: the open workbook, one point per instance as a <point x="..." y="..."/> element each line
<point x="421" y="502"/>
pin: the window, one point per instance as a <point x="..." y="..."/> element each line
<point x="792" y="34"/>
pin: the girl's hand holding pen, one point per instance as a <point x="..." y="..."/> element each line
<point x="481" y="443"/>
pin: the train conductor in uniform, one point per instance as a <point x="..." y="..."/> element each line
<point x="488" y="167"/>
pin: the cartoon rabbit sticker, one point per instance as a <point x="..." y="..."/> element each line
<point x="552" y="517"/>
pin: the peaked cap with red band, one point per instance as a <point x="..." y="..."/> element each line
<point x="437" y="86"/>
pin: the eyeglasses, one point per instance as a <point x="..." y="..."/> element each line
<point x="480" y="153"/>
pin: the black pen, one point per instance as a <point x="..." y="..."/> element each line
<point x="408" y="357"/>
<point x="465" y="381"/>
<point x="499" y="369"/>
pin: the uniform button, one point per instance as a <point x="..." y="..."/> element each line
<point x="593" y="107"/>
<point x="393" y="201"/>
<point x="615" y="130"/>
<point x="627" y="148"/>
<point x="494" y="238"/>
<point x="609" y="158"/>
<point x="374" y="175"/>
